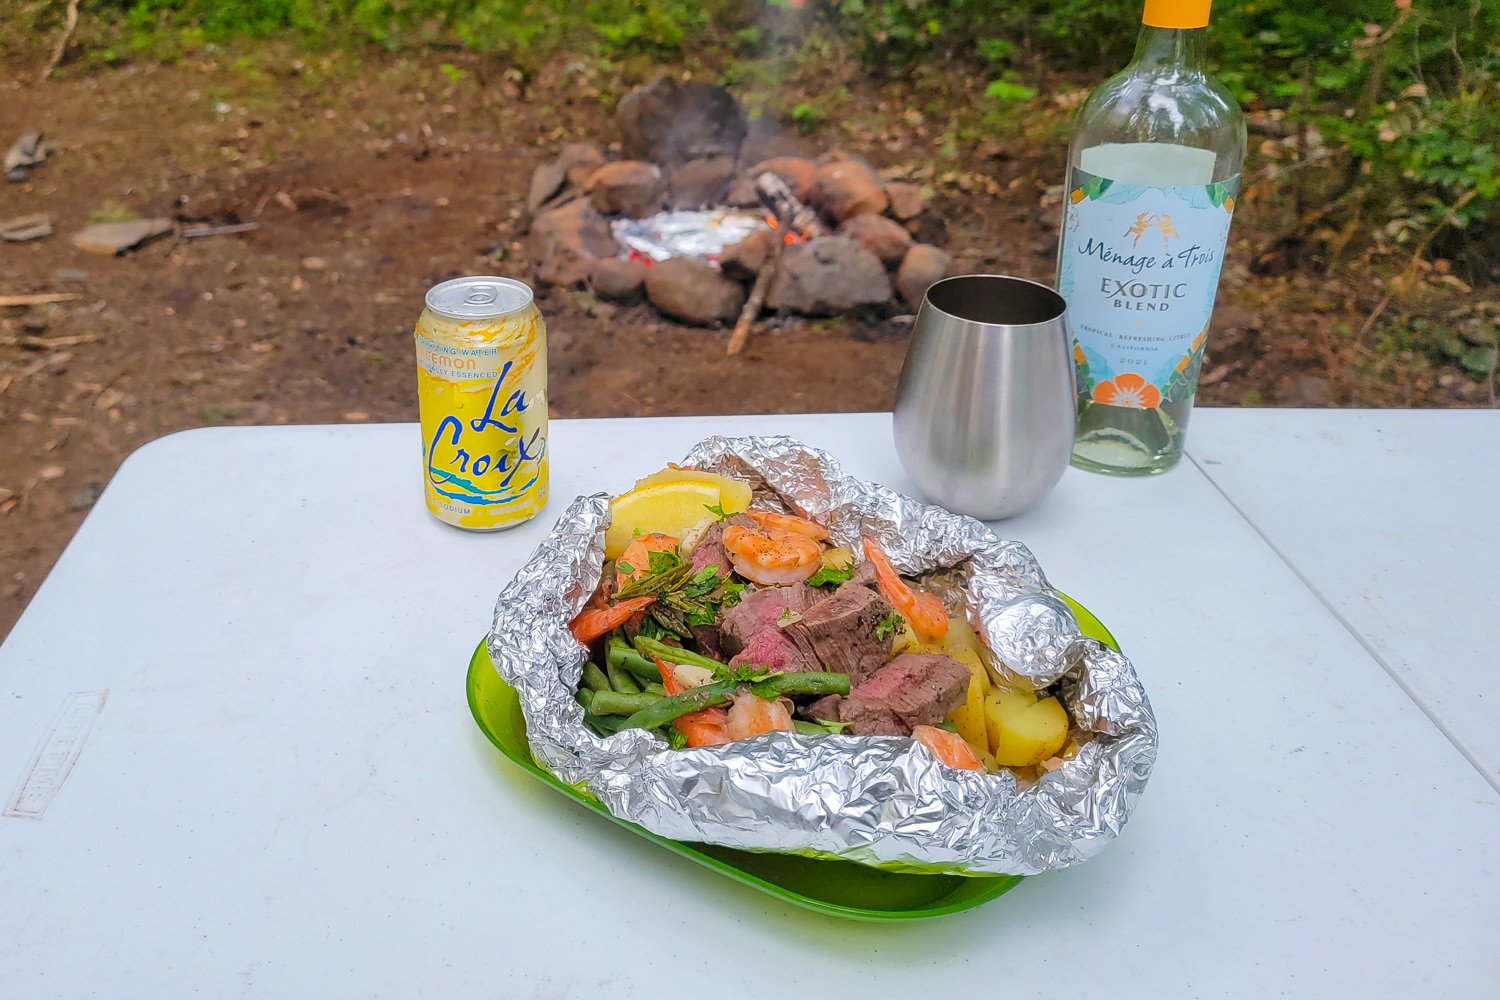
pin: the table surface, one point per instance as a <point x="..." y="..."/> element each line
<point x="239" y="699"/>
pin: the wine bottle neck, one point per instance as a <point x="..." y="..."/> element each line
<point x="1169" y="51"/>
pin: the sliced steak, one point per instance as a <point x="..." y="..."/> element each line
<point x="867" y="718"/>
<point x="707" y="638"/>
<point x="770" y="648"/>
<point x="825" y="709"/>
<point x="916" y="689"/>
<point x="838" y="632"/>
<point x="762" y="609"/>
<point x="864" y="575"/>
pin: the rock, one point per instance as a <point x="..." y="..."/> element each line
<point x="567" y="240"/>
<point x="844" y="189"/>
<point x="26" y="152"/>
<point x="907" y="200"/>
<point x="26" y="227"/>
<point x="744" y="259"/>
<point x="618" y="278"/>
<point x="630" y="187"/>
<point x="703" y="182"/>
<point x="879" y="235"/>
<point x="690" y="290"/>
<point x="922" y="265"/>
<point x="828" y="275"/>
<point x="562" y="176"/>
<point x="671" y="122"/>
<point x="799" y="173"/>
<point x="117" y="237"/>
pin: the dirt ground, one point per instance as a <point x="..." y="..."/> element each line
<point x="372" y="178"/>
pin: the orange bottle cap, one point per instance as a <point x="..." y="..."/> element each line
<point x="1176" y="13"/>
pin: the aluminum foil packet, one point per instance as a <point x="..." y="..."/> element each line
<point x="880" y="801"/>
<point x="686" y="233"/>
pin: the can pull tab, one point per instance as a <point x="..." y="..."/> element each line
<point x="482" y="295"/>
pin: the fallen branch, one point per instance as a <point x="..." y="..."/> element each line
<point x="757" y="298"/>
<point x="198" y="232"/>
<point x="37" y="300"/>
<point x="48" y="343"/>
<point x="62" y="43"/>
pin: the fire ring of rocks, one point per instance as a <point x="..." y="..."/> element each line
<point x="834" y="238"/>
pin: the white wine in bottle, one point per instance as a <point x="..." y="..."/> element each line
<point x="1153" y="170"/>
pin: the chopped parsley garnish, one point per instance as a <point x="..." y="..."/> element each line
<point x="653" y="629"/>
<point x="744" y="674"/>
<point x="889" y="626"/>
<point x="830" y="575"/>
<point x="661" y="562"/>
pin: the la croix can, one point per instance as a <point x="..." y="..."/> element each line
<point x="482" y="398"/>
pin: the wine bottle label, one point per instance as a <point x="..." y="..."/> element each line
<point x="1139" y="268"/>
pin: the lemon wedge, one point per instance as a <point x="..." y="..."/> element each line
<point x="671" y="508"/>
<point x="736" y="494"/>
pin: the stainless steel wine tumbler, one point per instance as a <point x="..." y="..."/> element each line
<point x="984" y="411"/>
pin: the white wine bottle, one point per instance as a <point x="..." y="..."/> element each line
<point x="1153" y="170"/>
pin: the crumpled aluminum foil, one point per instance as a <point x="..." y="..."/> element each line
<point x="880" y="801"/>
<point x="687" y="233"/>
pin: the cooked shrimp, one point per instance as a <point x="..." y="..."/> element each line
<point x="751" y="715"/>
<point x="704" y="728"/>
<point x="950" y="748"/>
<point x="772" y="555"/>
<point x="591" y="623"/>
<point x="786" y="522"/>
<point x="637" y="556"/>
<point x="925" y="612"/>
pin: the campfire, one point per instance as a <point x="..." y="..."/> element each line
<point x="709" y="230"/>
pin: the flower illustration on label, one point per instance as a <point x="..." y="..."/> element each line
<point x="1128" y="389"/>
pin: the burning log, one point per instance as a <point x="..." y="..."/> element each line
<point x="787" y="210"/>
<point x="786" y="213"/>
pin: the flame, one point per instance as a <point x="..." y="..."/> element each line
<point x="790" y="238"/>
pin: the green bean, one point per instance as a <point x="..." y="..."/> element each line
<point x="616" y="703"/>
<point x="619" y="655"/>
<point x="594" y="678"/>
<point x="621" y="681"/>
<point x="818" y="728"/>
<point x="664" y="710"/>
<point x="673" y="654"/>
<point x="604" y="725"/>
<point x="819" y="683"/>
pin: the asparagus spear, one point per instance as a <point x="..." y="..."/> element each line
<point x="673" y="654"/>
<point x="819" y="683"/>
<point x="664" y="710"/>
<point x="618" y="703"/>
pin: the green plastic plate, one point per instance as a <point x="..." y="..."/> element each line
<point x="840" y="888"/>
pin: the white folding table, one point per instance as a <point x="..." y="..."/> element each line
<point x="240" y="762"/>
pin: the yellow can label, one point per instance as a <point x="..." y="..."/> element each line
<point x="482" y="395"/>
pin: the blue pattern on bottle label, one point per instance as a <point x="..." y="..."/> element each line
<point x="1139" y="269"/>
